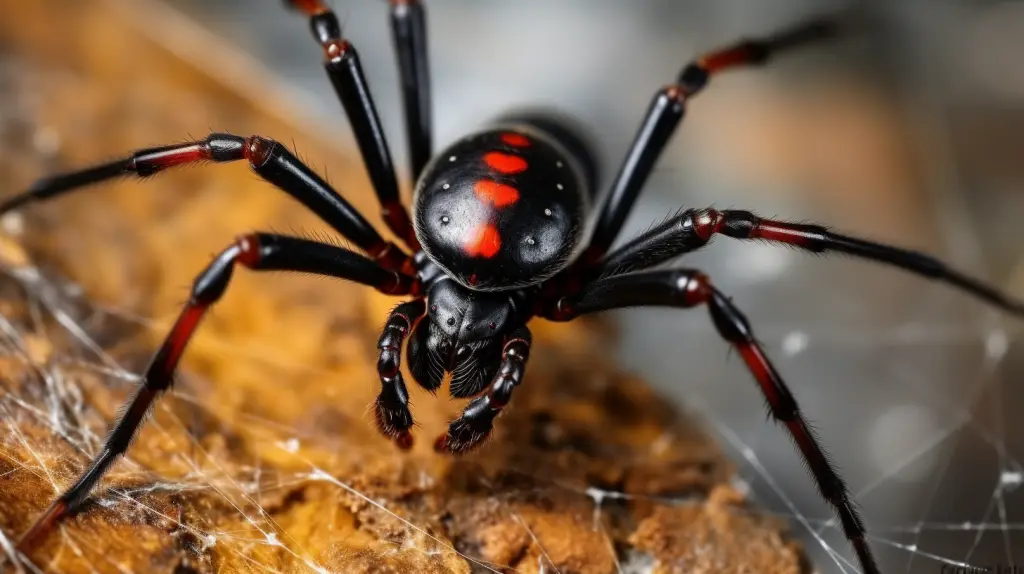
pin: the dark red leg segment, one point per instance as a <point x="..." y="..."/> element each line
<point x="474" y="426"/>
<point x="666" y="111"/>
<point x="758" y="50"/>
<point x="694" y="228"/>
<point x="143" y="163"/>
<point x="346" y="75"/>
<point x="269" y="159"/>
<point x="686" y="288"/>
<point x="308" y="7"/>
<point x="262" y="252"/>
<point x="392" y="408"/>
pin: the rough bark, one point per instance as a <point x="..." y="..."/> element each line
<point x="265" y="457"/>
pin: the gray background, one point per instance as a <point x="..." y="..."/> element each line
<point x="907" y="132"/>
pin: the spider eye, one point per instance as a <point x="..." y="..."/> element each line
<point x="493" y="326"/>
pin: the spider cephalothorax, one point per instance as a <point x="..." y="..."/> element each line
<point x="462" y="328"/>
<point x="499" y="218"/>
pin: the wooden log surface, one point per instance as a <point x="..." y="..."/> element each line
<point x="265" y="457"/>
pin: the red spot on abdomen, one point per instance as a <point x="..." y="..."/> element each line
<point x="485" y="242"/>
<point x="497" y="194"/>
<point x="504" y="162"/>
<point x="514" y="139"/>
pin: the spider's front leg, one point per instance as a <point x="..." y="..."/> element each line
<point x="666" y="111"/>
<point x="268" y="158"/>
<point x="257" y="251"/>
<point x="409" y="35"/>
<point x="686" y="288"/>
<point x="392" y="408"/>
<point x="474" y="426"/>
<point x="341" y="61"/>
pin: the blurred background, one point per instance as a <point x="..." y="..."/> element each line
<point x="908" y="131"/>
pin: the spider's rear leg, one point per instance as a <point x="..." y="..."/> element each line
<point x="257" y="251"/>
<point x="392" y="407"/>
<point x="694" y="228"/>
<point x="474" y="426"/>
<point x="686" y="288"/>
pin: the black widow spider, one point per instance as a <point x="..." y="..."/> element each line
<point x="497" y="239"/>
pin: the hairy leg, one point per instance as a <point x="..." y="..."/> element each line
<point x="666" y="111"/>
<point x="341" y="61"/>
<point x="687" y="288"/>
<point x="474" y="426"/>
<point x="392" y="407"/>
<point x="258" y="251"/>
<point x="694" y="228"/>
<point x="269" y="159"/>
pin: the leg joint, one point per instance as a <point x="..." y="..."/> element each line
<point x="258" y="150"/>
<point x="213" y="281"/>
<point x="704" y="222"/>
<point x="693" y="78"/>
<point x="693" y="287"/>
<point x="325" y="27"/>
<point x="728" y="320"/>
<point x="225" y="147"/>
<point x="739" y="224"/>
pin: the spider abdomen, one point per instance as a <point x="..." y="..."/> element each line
<point x="503" y="208"/>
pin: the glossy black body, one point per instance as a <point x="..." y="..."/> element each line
<point x="539" y="215"/>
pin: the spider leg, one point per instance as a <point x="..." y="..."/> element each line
<point x="258" y="251"/>
<point x="269" y="159"/>
<point x="694" y="228"/>
<point x="346" y="74"/>
<point x="474" y="425"/>
<point x="686" y="288"/>
<point x="666" y="111"/>
<point x="392" y="408"/>
<point x="409" y="33"/>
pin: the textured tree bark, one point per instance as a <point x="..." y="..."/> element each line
<point x="265" y="457"/>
